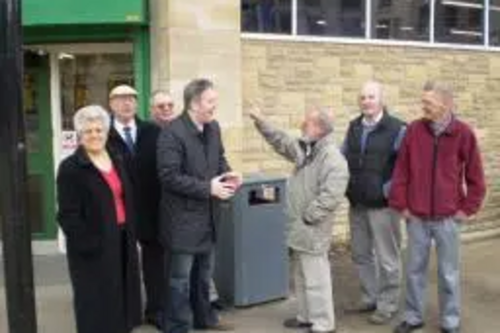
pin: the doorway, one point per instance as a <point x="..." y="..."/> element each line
<point x="39" y="132"/>
<point x="58" y="80"/>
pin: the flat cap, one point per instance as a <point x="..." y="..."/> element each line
<point x="122" y="90"/>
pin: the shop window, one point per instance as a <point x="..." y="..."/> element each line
<point x="266" y="16"/>
<point x="400" y="20"/>
<point x="455" y="21"/>
<point x="459" y="21"/>
<point x="344" y="18"/>
<point x="88" y="78"/>
<point x="384" y="3"/>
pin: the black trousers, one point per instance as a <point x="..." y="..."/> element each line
<point x="153" y="275"/>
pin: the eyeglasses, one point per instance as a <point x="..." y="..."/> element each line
<point x="165" y="105"/>
<point x="90" y="131"/>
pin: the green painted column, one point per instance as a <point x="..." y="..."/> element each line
<point x="142" y="68"/>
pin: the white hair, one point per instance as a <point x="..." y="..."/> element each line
<point x="324" y="118"/>
<point x="88" y="114"/>
<point x="156" y="93"/>
<point x="379" y="88"/>
<point x="443" y="89"/>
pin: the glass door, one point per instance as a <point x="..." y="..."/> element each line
<point x="88" y="78"/>
<point x="37" y="113"/>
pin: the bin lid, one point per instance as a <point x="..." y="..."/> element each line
<point x="258" y="178"/>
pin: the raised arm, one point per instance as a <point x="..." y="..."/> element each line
<point x="283" y="143"/>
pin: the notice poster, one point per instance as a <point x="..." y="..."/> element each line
<point x="69" y="142"/>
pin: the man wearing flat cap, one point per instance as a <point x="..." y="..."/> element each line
<point x="135" y="141"/>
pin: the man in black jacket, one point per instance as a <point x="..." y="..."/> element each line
<point x="371" y="147"/>
<point x="193" y="172"/>
<point x="135" y="140"/>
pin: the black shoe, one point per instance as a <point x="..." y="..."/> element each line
<point x="405" y="327"/>
<point x="152" y="321"/>
<point x="295" y="323"/>
<point x="221" y="326"/>
<point x="450" y="330"/>
<point x="362" y="308"/>
<point x="218" y="305"/>
<point x="381" y="317"/>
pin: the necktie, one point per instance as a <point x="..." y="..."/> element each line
<point x="128" y="138"/>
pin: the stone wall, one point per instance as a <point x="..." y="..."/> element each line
<point x="285" y="78"/>
<point x="192" y="39"/>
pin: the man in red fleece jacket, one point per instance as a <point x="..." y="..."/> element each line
<point x="438" y="182"/>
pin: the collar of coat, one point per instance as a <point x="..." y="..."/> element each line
<point x="192" y="128"/>
<point x="139" y="124"/>
<point x="323" y="142"/>
<point x="84" y="160"/>
<point x="315" y="148"/>
<point x="450" y="126"/>
<point x="380" y="124"/>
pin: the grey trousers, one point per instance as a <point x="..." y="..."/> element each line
<point x="313" y="284"/>
<point x="446" y="236"/>
<point x="376" y="252"/>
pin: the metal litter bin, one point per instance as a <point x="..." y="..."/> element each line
<point x="251" y="264"/>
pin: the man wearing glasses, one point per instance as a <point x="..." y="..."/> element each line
<point x="153" y="256"/>
<point x="162" y="107"/>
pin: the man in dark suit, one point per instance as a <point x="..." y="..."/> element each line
<point x="193" y="172"/>
<point x="136" y="140"/>
<point x="162" y="113"/>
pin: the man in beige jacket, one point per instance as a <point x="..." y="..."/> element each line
<point x="315" y="190"/>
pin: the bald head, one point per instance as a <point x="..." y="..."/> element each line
<point x="317" y="123"/>
<point x="371" y="99"/>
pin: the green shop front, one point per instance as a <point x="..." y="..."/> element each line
<point x="74" y="53"/>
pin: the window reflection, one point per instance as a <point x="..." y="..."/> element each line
<point x="88" y="78"/>
<point x="268" y="16"/>
<point x="401" y="20"/>
<point x="33" y="65"/>
<point x="459" y="21"/>
<point x="455" y="21"/>
<point x="345" y="18"/>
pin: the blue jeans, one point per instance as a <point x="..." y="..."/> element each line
<point x="446" y="236"/>
<point x="188" y="293"/>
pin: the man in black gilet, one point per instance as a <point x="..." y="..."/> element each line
<point x="371" y="147"/>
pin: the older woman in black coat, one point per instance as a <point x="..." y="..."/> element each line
<point x="95" y="213"/>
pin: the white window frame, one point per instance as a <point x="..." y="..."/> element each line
<point x="432" y="21"/>
<point x="368" y="19"/>
<point x="295" y="7"/>
<point x="367" y="39"/>
<point x="486" y="23"/>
